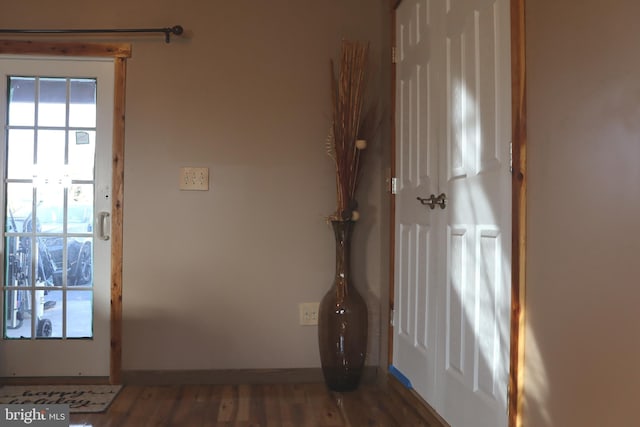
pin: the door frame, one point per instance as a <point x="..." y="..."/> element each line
<point x="119" y="52"/>
<point x="518" y="206"/>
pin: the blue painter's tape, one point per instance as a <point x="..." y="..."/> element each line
<point x="400" y="377"/>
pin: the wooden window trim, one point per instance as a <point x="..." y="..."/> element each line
<point x="101" y="50"/>
<point x="120" y="52"/>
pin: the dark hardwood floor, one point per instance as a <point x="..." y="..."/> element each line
<point x="290" y="405"/>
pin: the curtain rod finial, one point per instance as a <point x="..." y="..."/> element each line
<point x="176" y="30"/>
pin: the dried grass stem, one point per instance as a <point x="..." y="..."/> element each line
<point x="347" y="97"/>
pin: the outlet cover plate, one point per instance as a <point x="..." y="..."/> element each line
<point x="194" y="179"/>
<point x="309" y="313"/>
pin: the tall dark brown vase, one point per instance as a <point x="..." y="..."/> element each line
<point x="342" y="321"/>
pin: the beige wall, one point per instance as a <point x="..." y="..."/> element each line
<point x="582" y="346"/>
<point x="212" y="280"/>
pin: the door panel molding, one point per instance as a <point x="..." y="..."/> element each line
<point x="119" y="51"/>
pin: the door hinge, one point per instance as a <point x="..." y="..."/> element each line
<point x="394" y="58"/>
<point x="510" y="157"/>
<point x="394" y="185"/>
<point x="392" y="314"/>
<point x="508" y="399"/>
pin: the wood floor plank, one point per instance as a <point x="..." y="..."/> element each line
<point x="244" y="403"/>
<point x="211" y="408"/>
<point x="287" y="409"/>
<point x="324" y="406"/>
<point x="183" y="408"/>
<point x="191" y="410"/>
<point x="167" y="399"/>
<point x="256" y="404"/>
<point x="228" y="407"/>
<point x="143" y="408"/>
<point x="271" y="403"/>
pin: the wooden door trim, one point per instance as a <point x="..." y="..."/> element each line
<point x="392" y="213"/>
<point x="120" y="52"/>
<point x="519" y="205"/>
<point x="519" y="211"/>
<point x="117" y="201"/>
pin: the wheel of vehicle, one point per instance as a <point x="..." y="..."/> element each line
<point x="44" y="328"/>
<point x="82" y="271"/>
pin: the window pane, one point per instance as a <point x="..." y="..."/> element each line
<point x="80" y="211"/>
<point x="49" y="211"/>
<point x="22" y="98"/>
<point x="19" y="205"/>
<point x="49" y="265"/>
<point x="80" y="264"/>
<point x="48" y="313"/>
<point x="50" y="154"/>
<point x="20" y="154"/>
<point x="82" y="147"/>
<point x="82" y="107"/>
<point x="79" y="314"/>
<point x="18" y="261"/>
<point x="52" y="108"/>
<point x="17" y="322"/>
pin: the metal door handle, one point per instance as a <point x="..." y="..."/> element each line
<point x="103" y="221"/>
<point x="428" y="201"/>
<point x="433" y="200"/>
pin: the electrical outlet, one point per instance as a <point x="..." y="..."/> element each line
<point x="194" y="179"/>
<point x="309" y="313"/>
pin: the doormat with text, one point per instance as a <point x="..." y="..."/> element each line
<point x="80" y="398"/>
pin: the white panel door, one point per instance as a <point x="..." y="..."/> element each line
<point x="477" y="179"/>
<point x="462" y="59"/>
<point x="57" y="121"/>
<point x="418" y="229"/>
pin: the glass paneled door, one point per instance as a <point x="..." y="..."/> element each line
<point x="57" y="118"/>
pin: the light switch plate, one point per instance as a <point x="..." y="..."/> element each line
<point x="194" y="179"/>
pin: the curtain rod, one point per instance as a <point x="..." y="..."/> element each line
<point x="175" y="30"/>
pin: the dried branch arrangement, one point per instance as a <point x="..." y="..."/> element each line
<point x="343" y="145"/>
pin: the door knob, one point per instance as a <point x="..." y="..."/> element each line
<point x="433" y="200"/>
